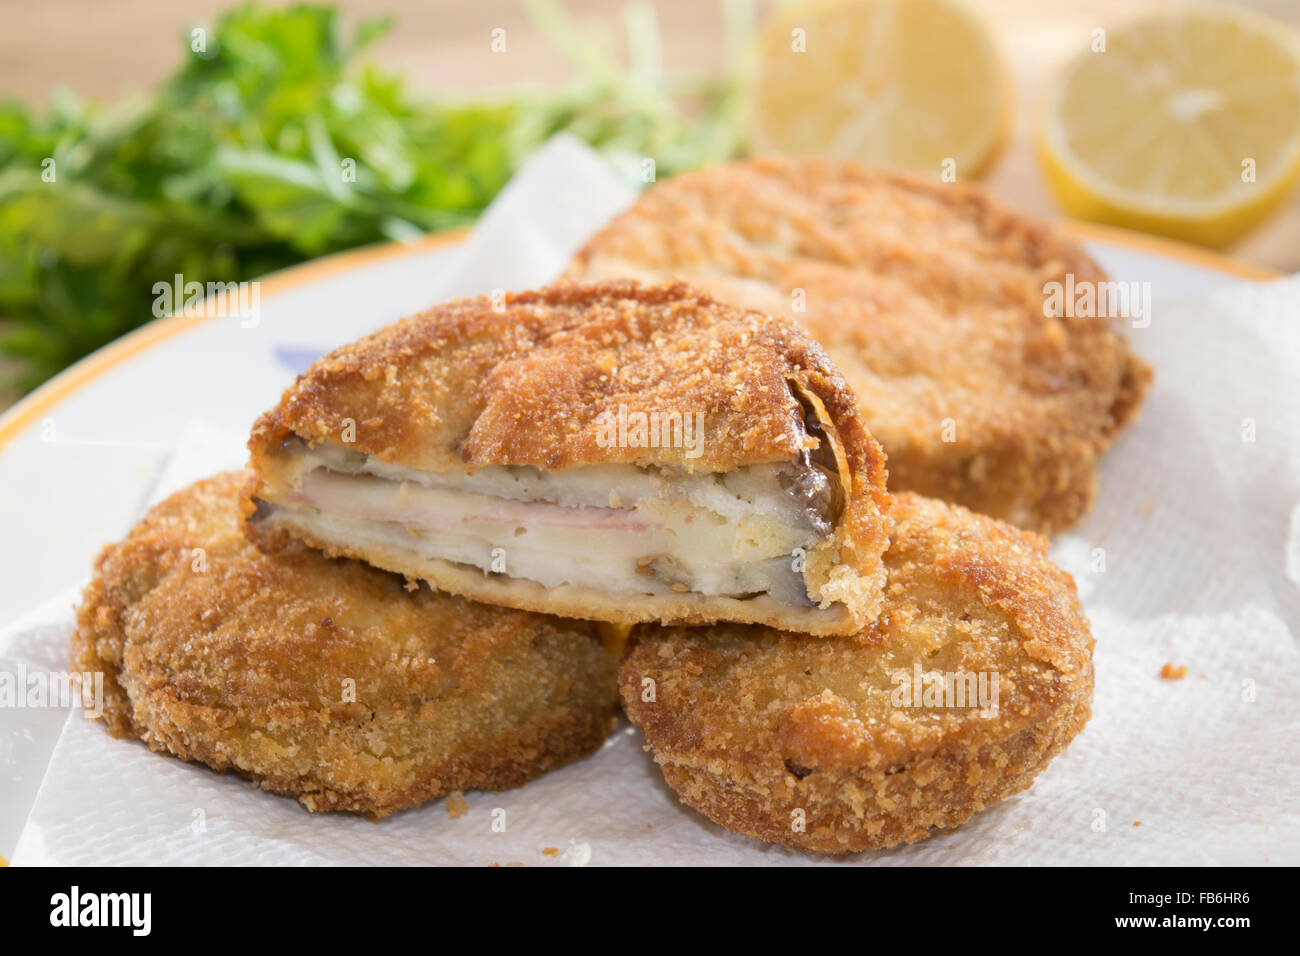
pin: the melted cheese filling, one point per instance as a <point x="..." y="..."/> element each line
<point x="616" y="528"/>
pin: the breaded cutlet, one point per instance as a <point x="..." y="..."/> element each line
<point x="613" y="452"/>
<point x="977" y="673"/>
<point x="325" y="680"/>
<point x="929" y="298"/>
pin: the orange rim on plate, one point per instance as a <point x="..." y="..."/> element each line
<point x="44" y="399"/>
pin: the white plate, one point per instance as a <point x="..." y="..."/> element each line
<point x="78" y="456"/>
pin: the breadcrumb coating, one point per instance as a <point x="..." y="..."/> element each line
<point x="325" y="679"/>
<point x="929" y="298"/>
<point x="834" y="746"/>
<point x="524" y="380"/>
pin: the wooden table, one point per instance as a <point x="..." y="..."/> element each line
<point x="106" y="49"/>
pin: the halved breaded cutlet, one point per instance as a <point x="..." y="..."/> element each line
<point x="612" y="451"/>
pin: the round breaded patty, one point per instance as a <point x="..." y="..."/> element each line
<point x="835" y="745"/>
<point x="328" y="680"/>
<point x="930" y="300"/>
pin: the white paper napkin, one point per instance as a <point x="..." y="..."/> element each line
<point x="1191" y="556"/>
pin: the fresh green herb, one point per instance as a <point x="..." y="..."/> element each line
<point x="276" y="145"/>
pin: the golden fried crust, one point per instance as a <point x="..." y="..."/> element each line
<point x="462" y="385"/>
<point x="324" y="679"/>
<point x="761" y="729"/>
<point x="930" y="300"/>
<point x="526" y="381"/>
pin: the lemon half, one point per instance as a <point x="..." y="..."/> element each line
<point x="1186" y="125"/>
<point x="911" y="84"/>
